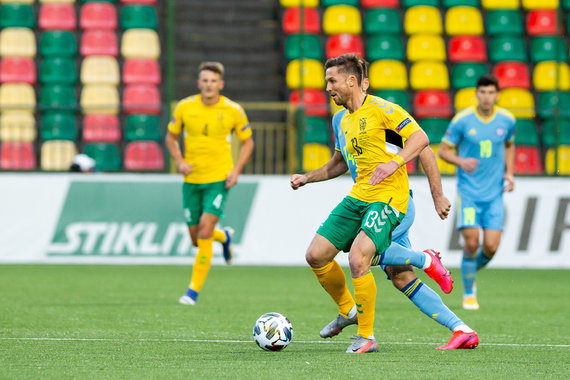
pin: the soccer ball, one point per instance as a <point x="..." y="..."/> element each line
<point x="272" y="332"/>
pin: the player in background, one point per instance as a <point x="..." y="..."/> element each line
<point x="207" y="121"/>
<point x="484" y="138"/>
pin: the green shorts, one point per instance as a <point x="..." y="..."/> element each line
<point x="376" y="219"/>
<point x="198" y="198"/>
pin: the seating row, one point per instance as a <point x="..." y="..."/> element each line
<point x="485" y="4"/>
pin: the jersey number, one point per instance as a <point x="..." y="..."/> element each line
<point x="486" y="148"/>
<point x="354" y="142"/>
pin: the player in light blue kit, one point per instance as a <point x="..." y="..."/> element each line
<point x="483" y="137"/>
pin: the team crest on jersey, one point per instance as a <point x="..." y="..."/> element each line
<point x="362" y="123"/>
<point x="472" y="132"/>
<point x="500" y="132"/>
<point x="404" y="122"/>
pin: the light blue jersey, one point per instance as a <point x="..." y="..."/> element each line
<point x="340" y="143"/>
<point x="483" y="140"/>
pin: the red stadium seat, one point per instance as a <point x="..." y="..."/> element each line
<point x="98" y="15"/>
<point x="17" y="70"/>
<point x="144" y="155"/>
<point x="141" y="71"/>
<point x="541" y="22"/>
<point x="17" y="156"/>
<point x="512" y="74"/>
<point x="141" y="98"/>
<point x="432" y="103"/>
<point x="291" y="22"/>
<point x="315" y="102"/>
<point x="60" y="16"/>
<point x="143" y="2"/>
<point x="467" y="49"/>
<point x="527" y="160"/>
<point x="380" y="3"/>
<point x="101" y="128"/>
<point x="339" y="44"/>
<point x="99" y="42"/>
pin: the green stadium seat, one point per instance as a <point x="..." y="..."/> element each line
<point x="106" y="156"/>
<point x="566" y="4"/>
<point x="400" y="97"/>
<point x="58" y="98"/>
<point x="57" y="43"/>
<point x="58" y="71"/>
<point x="384" y="47"/>
<point x="382" y="21"/>
<point x="507" y="48"/>
<point x="504" y="21"/>
<point x="142" y="127"/>
<point x="465" y="75"/>
<point x="313" y="48"/>
<point x="548" y="135"/>
<point x="328" y="3"/>
<point x="91" y="1"/>
<point x="413" y="3"/>
<point x="17" y="15"/>
<point x="546" y="49"/>
<point x="317" y="130"/>
<point x="58" y="126"/>
<point x="455" y="3"/>
<point x="435" y="128"/>
<point x="526" y="132"/>
<point x="548" y="100"/>
<point x="138" y="16"/>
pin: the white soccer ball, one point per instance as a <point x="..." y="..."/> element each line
<point x="272" y="332"/>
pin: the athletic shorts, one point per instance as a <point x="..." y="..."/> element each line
<point x="198" y="198"/>
<point x="488" y="215"/>
<point x="378" y="220"/>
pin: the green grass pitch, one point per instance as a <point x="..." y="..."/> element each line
<point x="124" y="322"/>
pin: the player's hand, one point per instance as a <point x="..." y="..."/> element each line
<point x="469" y="164"/>
<point x="442" y="206"/>
<point x="383" y="171"/>
<point x="185" y="168"/>
<point x="509" y="182"/>
<point x="232" y="179"/>
<point x="298" y="180"/>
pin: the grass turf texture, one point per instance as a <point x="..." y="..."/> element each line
<point x="125" y="322"/>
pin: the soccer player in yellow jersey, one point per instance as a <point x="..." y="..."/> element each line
<point x="207" y="121"/>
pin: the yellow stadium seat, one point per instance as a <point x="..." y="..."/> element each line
<point x="426" y="47"/>
<point x="422" y="19"/>
<point x="57" y="1"/>
<point x="444" y="167"/>
<point x="465" y="98"/>
<point x="463" y="20"/>
<point x="57" y="155"/>
<point x="540" y="4"/>
<point x="388" y="73"/>
<point x="100" y="99"/>
<point x="500" y="4"/>
<point x="563" y="160"/>
<point x="140" y="43"/>
<point x="17" y="97"/>
<point x="297" y="3"/>
<point x="100" y="70"/>
<point x="315" y="156"/>
<point x="339" y="19"/>
<point x="429" y="75"/>
<point x="520" y="102"/>
<point x="313" y="74"/>
<point x="17" y="1"/>
<point x="17" y="126"/>
<point x="18" y="42"/>
<point x="544" y="76"/>
<point x="334" y="108"/>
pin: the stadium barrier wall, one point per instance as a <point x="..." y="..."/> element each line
<point x="138" y="219"/>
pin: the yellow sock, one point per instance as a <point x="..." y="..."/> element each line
<point x="201" y="264"/>
<point x="332" y="279"/>
<point x="219" y="236"/>
<point x="365" y="297"/>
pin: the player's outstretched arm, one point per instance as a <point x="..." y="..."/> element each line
<point x="447" y="154"/>
<point x="245" y="152"/>
<point x="332" y="169"/>
<point x="509" y="166"/>
<point x="174" y="149"/>
<point x="440" y="201"/>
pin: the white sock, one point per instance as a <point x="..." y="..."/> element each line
<point x="352" y="312"/>
<point x="371" y="337"/>
<point x="428" y="260"/>
<point x="463" y="328"/>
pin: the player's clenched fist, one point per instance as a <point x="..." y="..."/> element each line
<point x="298" y="180"/>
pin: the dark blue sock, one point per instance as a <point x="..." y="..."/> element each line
<point x="482" y="259"/>
<point x="192" y="294"/>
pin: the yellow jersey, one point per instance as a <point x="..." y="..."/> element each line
<point x="372" y="135"/>
<point x="207" y="136"/>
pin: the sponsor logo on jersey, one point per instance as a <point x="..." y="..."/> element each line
<point x="404" y="122"/>
<point x="500" y="132"/>
<point x="472" y="132"/>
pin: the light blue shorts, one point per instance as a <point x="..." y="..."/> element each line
<point x="489" y="215"/>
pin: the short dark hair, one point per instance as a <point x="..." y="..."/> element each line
<point x="216" y="67"/>
<point x="488" y="80"/>
<point x="350" y="64"/>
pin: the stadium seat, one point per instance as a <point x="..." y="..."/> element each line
<point x="500" y="4"/>
<point x="315" y="102"/>
<point x="504" y="21"/>
<point x="566" y="5"/>
<point x="17" y="126"/>
<point x="463" y="20"/>
<point x="297" y="3"/>
<point x="313" y="74"/>
<point x="467" y="49"/>
<point x="17" y="42"/>
<point x="465" y="75"/>
<point x="330" y="3"/>
<point x="519" y="101"/>
<point x="141" y="99"/>
<point x="98" y="15"/>
<point x="384" y="47"/>
<point x="563" y="161"/>
<point x="292" y="22"/>
<point x="464" y="98"/>
<point x="381" y="21"/>
<point x="527" y="160"/>
<point x="57" y="16"/>
<point x="342" y="19"/>
<point x="59" y="126"/>
<point x="58" y="71"/>
<point x="432" y="103"/>
<point x="17" y="15"/>
<point x="146" y="2"/>
<point x="425" y="47"/>
<point x="17" y="70"/>
<point x="546" y="76"/>
<point x="400" y="97"/>
<point x="100" y="99"/>
<point x="68" y="1"/>
<point x="540" y="4"/>
<point x="415" y="3"/>
<point x="140" y="43"/>
<point x="445" y="168"/>
<point x="541" y="22"/>
<point x="18" y="1"/>
<point x="56" y="43"/>
<point x="547" y="49"/>
<point x="429" y="75"/>
<point x="144" y="156"/>
<point x="58" y="98"/>
<point x="317" y="130"/>
<point x="106" y="156"/>
<point x="512" y="74"/>
<point x="455" y="3"/>
<point x="141" y="71"/>
<point x="99" y="42"/>
<point x="435" y="128"/>
<point x="422" y="19"/>
<point x="549" y="100"/>
<point x="339" y="44"/>
<point x="380" y="3"/>
<point x="315" y="156"/>
<point x="57" y="155"/>
<point x="142" y="127"/>
<point x="17" y="156"/>
<point x="549" y="133"/>
<point x="526" y="132"/>
<point x="139" y="16"/>
<point x="17" y="97"/>
<point x="101" y="128"/>
<point x="506" y="48"/>
<point x="388" y="74"/>
<point x="97" y="69"/>
<point x="303" y="45"/>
